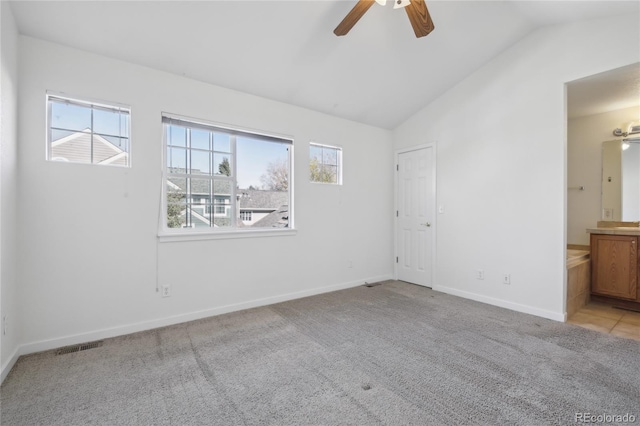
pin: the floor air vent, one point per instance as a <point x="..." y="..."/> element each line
<point x="80" y="347"/>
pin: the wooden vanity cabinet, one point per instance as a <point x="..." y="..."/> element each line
<point x="614" y="266"/>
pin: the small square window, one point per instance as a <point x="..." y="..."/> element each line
<point x="325" y="164"/>
<point x="86" y="132"/>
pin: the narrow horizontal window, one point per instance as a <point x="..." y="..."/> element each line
<point x="85" y="132"/>
<point x="325" y="164"/>
<point x="224" y="179"/>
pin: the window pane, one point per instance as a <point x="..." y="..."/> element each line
<point x="200" y="139"/>
<point x="199" y="189"/>
<point x="221" y="142"/>
<point x="330" y="173"/>
<point x="108" y="122"/>
<point x="262" y="165"/>
<point x="120" y="143"/>
<point x="315" y="152"/>
<point x="329" y="156"/>
<point x="177" y="136"/>
<point x="87" y="133"/>
<point x="278" y="218"/>
<point x="199" y="196"/>
<point x="222" y="203"/>
<point x="200" y="162"/>
<point x="221" y="164"/>
<point x="124" y="125"/>
<point x="59" y="134"/>
<point x="176" y="160"/>
<point x="325" y="164"/>
<point x="75" y="148"/>
<point x="71" y="117"/>
<point x="176" y="202"/>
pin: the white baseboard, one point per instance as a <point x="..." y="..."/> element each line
<point x="556" y="316"/>
<point x="75" y="339"/>
<point x="6" y="368"/>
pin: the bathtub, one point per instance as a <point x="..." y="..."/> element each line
<point x="578" y="280"/>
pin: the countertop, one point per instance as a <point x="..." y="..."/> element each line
<point x="620" y="230"/>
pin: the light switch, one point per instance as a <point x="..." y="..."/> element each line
<point x="441" y="209"/>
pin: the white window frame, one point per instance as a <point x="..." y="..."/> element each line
<point x="166" y="234"/>
<point x="87" y="103"/>
<point x="338" y="159"/>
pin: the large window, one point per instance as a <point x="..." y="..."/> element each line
<point x="87" y="132"/>
<point x="212" y="175"/>
<point x="325" y="164"/>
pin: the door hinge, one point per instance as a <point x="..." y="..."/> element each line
<point x="397" y="213"/>
<point x="396" y="259"/>
<point x="398" y="167"/>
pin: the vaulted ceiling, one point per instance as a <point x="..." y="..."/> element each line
<point x="378" y="74"/>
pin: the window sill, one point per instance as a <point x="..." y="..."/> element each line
<point x="165" y="237"/>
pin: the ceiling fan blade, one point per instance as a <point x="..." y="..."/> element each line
<point x="352" y="17"/>
<point x="420" y="19"/>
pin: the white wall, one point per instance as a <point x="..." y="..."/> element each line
<point x="585" y="136"/>
<point x="501" y="176"/>
<point x="8" y="200"/>
<point x="88" y="241"/>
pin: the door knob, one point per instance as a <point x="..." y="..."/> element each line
<point x="427" y="224"/>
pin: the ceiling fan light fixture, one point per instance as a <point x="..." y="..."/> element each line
<point x="397" y="4"/>
<point x="416" y="10"/>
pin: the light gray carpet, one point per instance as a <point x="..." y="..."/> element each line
<point x="394" y="354"/>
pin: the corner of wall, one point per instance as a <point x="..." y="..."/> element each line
<point x="9" y="307"/>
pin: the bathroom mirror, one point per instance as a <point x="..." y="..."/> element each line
<point x="621" y="181"/>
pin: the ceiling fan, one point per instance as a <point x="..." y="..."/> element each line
<point x="416" y="11"/>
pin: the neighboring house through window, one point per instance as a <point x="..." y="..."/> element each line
<point x="216" y="177"/>
<point x="87" y="132"/>
<point x="325" y="164"/>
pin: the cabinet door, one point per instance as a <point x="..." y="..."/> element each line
<point x="615" y="266"/>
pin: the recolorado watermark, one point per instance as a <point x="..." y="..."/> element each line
<point x="604" y="418"/>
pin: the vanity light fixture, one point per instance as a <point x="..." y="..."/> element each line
<point x="632" y="128"/>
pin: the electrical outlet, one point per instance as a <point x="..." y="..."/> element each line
<point x="350" y="264"/>
<point x="506" y="279"/>
<point x="166" y="290"/>
<point x="480" y="274"/>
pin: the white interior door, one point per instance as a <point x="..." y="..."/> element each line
<point x="415" y="214"/>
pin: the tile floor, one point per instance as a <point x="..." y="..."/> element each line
<point x="607" y="319"/>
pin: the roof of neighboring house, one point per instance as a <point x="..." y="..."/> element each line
<point x="255" y="199"/>
<point x="200" y="186"/>
<point x="77" y="148"/>
<point x="259" y="199"/>
<point x="277" y="219"/>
